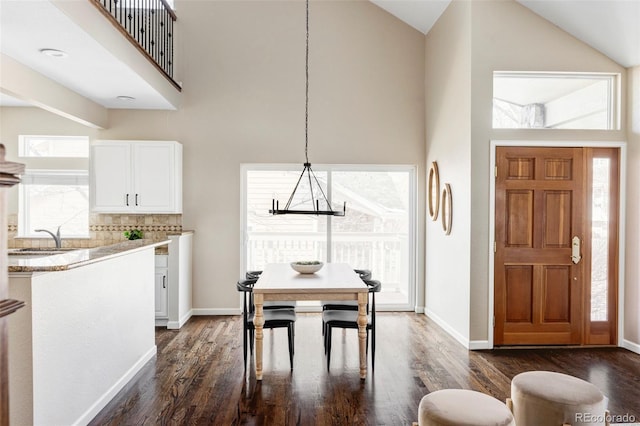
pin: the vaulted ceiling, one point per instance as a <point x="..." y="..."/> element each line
<point x="610" y="26"/>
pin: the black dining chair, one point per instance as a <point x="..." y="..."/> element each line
<point x="345" y="305"/>
<point x="273" y="318"/>
<point x="271" y="304"/>
<point x="341" y="318"/>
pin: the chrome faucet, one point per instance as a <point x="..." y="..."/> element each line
<point x="56" y="237"/>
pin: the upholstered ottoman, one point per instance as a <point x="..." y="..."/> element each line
<point x="548" y="398"/>
<point x="460" y="407"/>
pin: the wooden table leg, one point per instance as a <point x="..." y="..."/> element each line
<point x="362" y="332"/>
<point x="258" y="322"/>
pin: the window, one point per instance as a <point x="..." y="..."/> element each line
<point x="376" y="233"/>
<point x="55" y="187"/>
<point x="53" y="146"/>
<point x="52" y="198"/>
<point x="542" y="100"/>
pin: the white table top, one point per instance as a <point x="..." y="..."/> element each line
<point x="333" y="277"/>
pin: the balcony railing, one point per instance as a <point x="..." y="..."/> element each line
<point x="384" y="253"/>
<point x="149" y="25"/>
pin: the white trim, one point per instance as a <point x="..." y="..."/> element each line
<point x="176" y="325"/>
<point x="446" y="327"/>
<point x="622" y="145"/>
<point x="101" y="402"/>
<point x="476" y="345"/>
<point x="633" y="347"/>
<point x="215" y="311"/>
<point x="622" y="226"/>
<point x="419" y="310"/>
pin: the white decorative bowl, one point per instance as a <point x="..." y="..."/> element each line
<point x="307" y="267"/>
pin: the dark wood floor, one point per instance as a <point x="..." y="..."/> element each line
<point x="198" y="376"/>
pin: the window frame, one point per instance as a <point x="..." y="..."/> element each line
<point x="329" y="169"/>
<point x="47" y="176"/>
<point x="23" y="141"/>
<point x="613" y="94"/>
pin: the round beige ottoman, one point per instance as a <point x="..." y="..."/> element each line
<point x="548" y="398"/>
<point x="460" y="407"/>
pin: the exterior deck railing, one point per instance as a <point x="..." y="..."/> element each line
<point x="149" y="25"/>
<point x="385" y="253"/>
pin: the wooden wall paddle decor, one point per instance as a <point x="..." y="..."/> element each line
<point x="439" y="204"/>
<point x="433" y="191"/>
<point x="447" y="209"/>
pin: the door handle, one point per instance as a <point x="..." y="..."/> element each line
<point x="575" y="250"/>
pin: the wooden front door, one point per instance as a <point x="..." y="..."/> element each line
<point x="540" y="208"/>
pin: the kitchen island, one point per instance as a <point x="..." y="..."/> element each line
<point x="86" y="330"/>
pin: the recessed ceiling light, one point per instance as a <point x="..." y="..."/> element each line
<point x="54" y="53"/>
<point x="125" y="98"/>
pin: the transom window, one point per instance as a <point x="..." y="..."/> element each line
<point x="543" y="100"/>
<point x="53" y="146"/>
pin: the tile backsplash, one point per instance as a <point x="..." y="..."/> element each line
<point x="104" y="229"/>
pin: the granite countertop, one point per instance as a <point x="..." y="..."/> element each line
<point x="75" y="258"/>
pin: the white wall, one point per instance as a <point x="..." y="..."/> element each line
<point x="242" y="63"/>
<point x="83" y="334"/>
<point x="632" y="277"/>
<point x="448" y="136"/>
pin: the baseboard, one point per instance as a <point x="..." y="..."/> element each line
<point x="446" y="327"/>
<point x="176" y="325"/>
<point x="419" y="309"/>
<point x="475" y="345"/>
<point x="633" y="347"/>
<point x="161" y="322"/>
<point x="215" y="311"/>
<point x="117" y="387"/>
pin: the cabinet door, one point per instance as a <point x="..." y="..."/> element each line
<point x="162" y="291"/>
<point x="111" y="177"/>
<point x="154" y="177"/>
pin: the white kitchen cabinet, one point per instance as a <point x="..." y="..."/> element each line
<point x="162" y="286"/>
<point x="178" y="293"/>
<point x="136" y="177"/>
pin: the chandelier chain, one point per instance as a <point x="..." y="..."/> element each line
<point x="306" y="96"/>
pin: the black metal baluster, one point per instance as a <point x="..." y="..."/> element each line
<point x="149" y="24"/>
<point x="163" y="48"/>
<point x="152" y="35"/>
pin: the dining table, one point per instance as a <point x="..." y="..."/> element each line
<point x="334" y="281"/>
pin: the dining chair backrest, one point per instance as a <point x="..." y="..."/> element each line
<point x="253" y="275"/>
<point x="246" y="287"/>
<point x="364" y="274"/>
